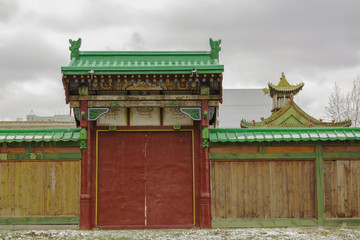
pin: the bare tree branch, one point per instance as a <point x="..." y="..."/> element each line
<point x="345" y="107"/>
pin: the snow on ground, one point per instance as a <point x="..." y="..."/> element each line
<point x="249" y="233"/>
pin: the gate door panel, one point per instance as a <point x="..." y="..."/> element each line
<point x="121" y="177"/>
<point x="169" y="178"/>
<point x="145" y="179"/>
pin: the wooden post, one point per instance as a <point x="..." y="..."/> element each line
<point x="85" y="199"/>
<point x="320" y="185"/>
<point x="205" y="195"/>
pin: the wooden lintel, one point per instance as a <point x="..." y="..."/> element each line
<point x="215" y="98"/>
<point x="128" y="104"/>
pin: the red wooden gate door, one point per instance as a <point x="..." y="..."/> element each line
<point x="121" y="176"/>
<point x="169" y="178"/>
<point x="145" y="179"/>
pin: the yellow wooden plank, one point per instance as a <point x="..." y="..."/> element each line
<point x="354" y="211"/>
<point x="285" y="190"/>
<point x="347" y="189"/>
<point x="17" y="190"/>
<point x="327" y="189"/>
<point x="234" y="190"/>
<point x="313" y="209"/>
<point x="3" y="179"/>
<point x="296" y="189"/>
<point x="65" y="200"/>
<point x="58" y="189"/>
<point x="77" y="174"/>
<point x="290" y="189"/>
<point x="273" y="188"/>
<point x="52" y="184"/>
<point x="228" y="193"/>
<point x="25" y="179"/>
<point x="220" y="194"/>
<point x="255" y="194"/>
<point x="247" y="203"/>
<point x="240" y="194"/>
<point x="301" y="189"/>
<point x="5" y="206"/>
<point x="341" y="189"/>
<point x="260" y="190"/>
<point x="279" y="190"/>
<point x="267" y="184"/>
<point x="73" y="187"/>
<point x="47" y="189"/>
<point x="36" y="188"/>
<point x="334" y="189"/>
<point x="212" y="185"/>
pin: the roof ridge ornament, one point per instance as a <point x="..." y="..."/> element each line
<point x="74" y="48"/>
<point x="215" y="49"/>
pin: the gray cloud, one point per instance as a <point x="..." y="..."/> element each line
<point x="8" y="9"/>
<point x="26" y="55"/>
<point x="311" y="41"/>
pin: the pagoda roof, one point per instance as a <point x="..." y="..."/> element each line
<point x="283" y="87"/>
<point x="292" y="116"/>
<point x="143" y="62"/>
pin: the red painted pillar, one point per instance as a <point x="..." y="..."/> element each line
<point x="85" y="199"/>
<point x="205" y="195"/>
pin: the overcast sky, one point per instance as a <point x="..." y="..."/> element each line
<point x="313" y="41"/>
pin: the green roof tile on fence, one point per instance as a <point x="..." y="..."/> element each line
<point x="281" y="134"/>
<point x="39" y="135"/>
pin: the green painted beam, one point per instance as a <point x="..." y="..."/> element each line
<point x="337" y="155"/>
<point x="320" y="185"/>
<point x="39" y="220"/>
<point x="348" y="222"/>
<point x="283" y="143"/>
<point x="262" y="155"/>
<point x="29" y="148"/>
<point x="246" y="223"/>
<point x="40" y="156"/>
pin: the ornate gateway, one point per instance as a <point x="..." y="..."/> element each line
<point x="146" y="115"/>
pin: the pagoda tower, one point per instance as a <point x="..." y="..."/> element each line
<point x="281" y="93"/>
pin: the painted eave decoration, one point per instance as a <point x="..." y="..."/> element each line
<point x="143" y="62"/>
<point x="39" y="135"/>
<point x="292" y="116"/>
<point x="277" y="135"/>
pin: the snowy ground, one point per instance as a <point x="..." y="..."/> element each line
<point x="249" y="233"/>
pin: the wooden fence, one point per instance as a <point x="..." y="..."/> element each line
<point x="293" y="184"/>
<point x="40" y="183"/>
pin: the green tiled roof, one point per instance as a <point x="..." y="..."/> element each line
<point x="289" y="134"/>
<point x="39" y="135"/>
<point x="143" y="62"/>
